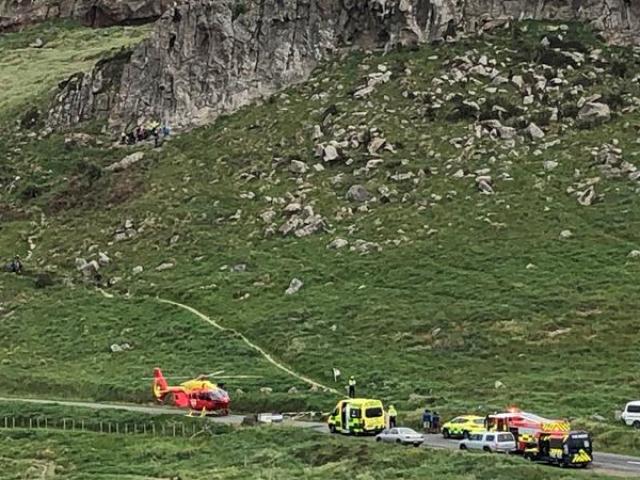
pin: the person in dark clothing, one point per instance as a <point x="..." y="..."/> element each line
<point x="426" y="420"/>
<point x="435" y="422"/>
<point x="15" y="266"/>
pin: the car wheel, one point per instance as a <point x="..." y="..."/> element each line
<point x="445" y="433"/>
<point x="636" y="424"/>
<point x="399" y="442"/>
<point x="417" y="445"/>
<point x="486" y="449"/>
<point x="378" y="439"/>
<point x="332" y="428"/>
<point x="463" y="446"/>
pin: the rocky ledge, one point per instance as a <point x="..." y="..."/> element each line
<point x="210" y="57"/>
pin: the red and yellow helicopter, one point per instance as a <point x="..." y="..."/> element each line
<point x="198" y="394"/>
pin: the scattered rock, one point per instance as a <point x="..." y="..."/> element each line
<point x="297" y="166"/>
<point x="534" y="132"/>
<point x="565" y="234"/>
<point x="484" y="184"/>
<point x="363" y="247"/>
<point x="78" y="139"/>
<point x="358" y="193"/>
<point x="137" y="270"/>
<point x="634" y="254"/>
<point x="266" y="390"/>
<point x="594" y="113"/>
<point x="37" y="43"/>
<point x="165" y="266"/>
<point x="126" y="162"/>
<point x="103" y="259"/>
<point x="560" y="331"/>
<point x="295" y="285"/>
<point x="550" y="165"/>
<point x="317" y="133"/>
<point x="292" y="390"/>
<point x="330" y="153"/>
<point x="337" y="244"/>
<point x="587" y="197"/>
<point x="498" y="385"/>
<point x="118" y="348"/>
<point x="376" y="144"/>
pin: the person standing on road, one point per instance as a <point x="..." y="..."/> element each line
<point x="426" y="420"/>
<point x="352" y="387"/>
<point x="393" y="416"/>
<point x="435" y="422"/>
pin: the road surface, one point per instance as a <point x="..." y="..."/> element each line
<point x="603" y="462"/>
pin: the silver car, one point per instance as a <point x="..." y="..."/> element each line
<point x="490" y="442"/>
<point x="402" y="435"/>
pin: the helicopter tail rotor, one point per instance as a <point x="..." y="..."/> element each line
<point x="160" y="385"/>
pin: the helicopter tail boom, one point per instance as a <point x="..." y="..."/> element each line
<point x="160" y="385"/>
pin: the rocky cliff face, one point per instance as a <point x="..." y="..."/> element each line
<point x="208" y="57"/>
<point x="95" y="13"/>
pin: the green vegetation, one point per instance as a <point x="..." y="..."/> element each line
<point x="467" y="290"/>
<point x="28" y="72"/>
<point x="246" y="453"/>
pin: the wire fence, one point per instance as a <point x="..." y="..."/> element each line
<point x="105" y="427"/>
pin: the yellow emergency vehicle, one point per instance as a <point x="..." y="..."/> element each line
<point x="461" y="427"/>
<point x="357" y="416"/>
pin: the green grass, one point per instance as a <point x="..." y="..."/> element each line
<point x="273" y="453"/>
<point x="447" y="308"/>
<point x="27" y="73"/>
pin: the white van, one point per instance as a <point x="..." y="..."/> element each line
<point x="631" y="414"/>
<point x="489" y="442"/>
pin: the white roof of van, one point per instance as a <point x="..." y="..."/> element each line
<point x="634" y="403"/>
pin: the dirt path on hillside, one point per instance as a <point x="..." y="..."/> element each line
<point x="252" y="345"/>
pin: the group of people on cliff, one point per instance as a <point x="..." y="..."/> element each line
<point x="144" y="132"/>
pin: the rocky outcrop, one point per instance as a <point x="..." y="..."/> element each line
<point x="206" y="58"/>
<point x="209" y="57"/>
<point x="618" y="19"/>
<point x="94" y="13"/>
<point x="91" y="96"/>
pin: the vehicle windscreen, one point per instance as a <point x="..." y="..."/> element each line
<point x="373" y="412"/>
<point x="577" y="442"/>
<point x="479" y="421"/>
<point x="406" y="431"/>
<point x="633" y="408"/>
<point x="355" y="413"/>
<point x="505" y="437"/>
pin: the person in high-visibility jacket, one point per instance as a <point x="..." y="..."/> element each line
<point x="352" y="387"/>
<point x="393" y="416"/>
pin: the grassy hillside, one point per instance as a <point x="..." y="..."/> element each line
<point x="461" y="301"/>
<point x="274" y="453"/>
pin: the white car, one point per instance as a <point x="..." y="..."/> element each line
<point x="490" y="442"/>
<point x="631" y="414"/>
<point x="405" y="436"/>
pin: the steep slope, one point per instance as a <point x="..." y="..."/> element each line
<point x="463" y="218"/>
<point x="209" y="58"/>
